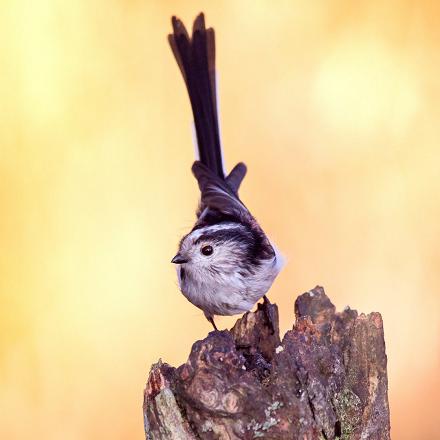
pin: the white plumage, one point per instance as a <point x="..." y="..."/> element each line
<point x="223" y="283"/>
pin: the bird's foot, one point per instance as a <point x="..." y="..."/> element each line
<point x="211" y="320"/>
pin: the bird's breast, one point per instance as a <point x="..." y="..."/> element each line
<point x="226" y="293"/>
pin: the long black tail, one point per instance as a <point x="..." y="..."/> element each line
<point x="196" y="59"/>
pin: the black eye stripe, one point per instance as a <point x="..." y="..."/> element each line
<point x="224" y="235"/>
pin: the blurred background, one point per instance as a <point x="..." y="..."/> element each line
<point x="334" y="106"/>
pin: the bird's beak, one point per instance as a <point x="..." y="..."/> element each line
<point x="178" y="259"/>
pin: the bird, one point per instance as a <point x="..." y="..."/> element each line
<point x="226" y="263"/>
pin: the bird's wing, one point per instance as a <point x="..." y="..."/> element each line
<point x="219" y="196"/>
<point x="220" y="203"/>
<point x="236" y="176"/>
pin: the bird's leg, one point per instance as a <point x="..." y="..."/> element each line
<point x="269" y="313"/>
<point x="211" y="320"/>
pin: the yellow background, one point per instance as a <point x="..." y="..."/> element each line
<point x="335" y="107"/>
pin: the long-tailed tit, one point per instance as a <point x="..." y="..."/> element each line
<point x="225" y="263"/>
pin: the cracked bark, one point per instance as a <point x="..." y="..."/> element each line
<point x="326" y="379"/>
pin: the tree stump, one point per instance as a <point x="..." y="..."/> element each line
<point x="326" y="379"/>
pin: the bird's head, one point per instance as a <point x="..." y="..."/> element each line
<point x="216" y="250"/>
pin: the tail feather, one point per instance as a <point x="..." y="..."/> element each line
<point x="196" y="59"/>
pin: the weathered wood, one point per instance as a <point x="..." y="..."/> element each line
<point x="327" y="379"/>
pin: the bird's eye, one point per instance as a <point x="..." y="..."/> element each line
<point x="207" y="250"/>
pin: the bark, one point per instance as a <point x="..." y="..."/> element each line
<point x="326" y="379"/>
